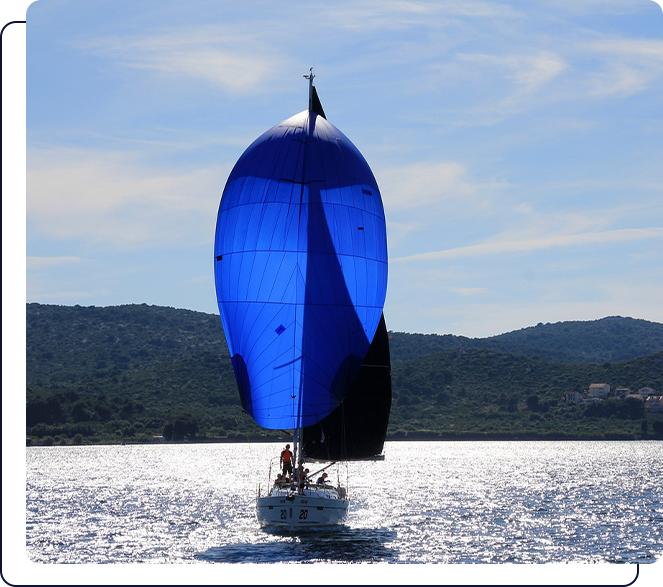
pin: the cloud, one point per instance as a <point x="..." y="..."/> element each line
<point x="554" y="66"/>
<point x="499" y="84"/>
<point x="237" y="62"/>
<point x="400" y="232"/>
<point x="420" y="184"/>
<point x="401" y="14"/>
<point x="115" y="198"/>
<point x="646" y="48"/>
<point x="630" y="67"/>
<point x="47" y="262"/>
<point x="537" y="244"/>
<point x="526" y="72"/>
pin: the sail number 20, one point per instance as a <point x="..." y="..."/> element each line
<point x="303" y="514"/>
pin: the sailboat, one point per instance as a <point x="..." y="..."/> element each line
<point x="301" y="279"/>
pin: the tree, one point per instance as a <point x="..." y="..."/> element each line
<point x="533" y="403"/>
<point x="634" y="408"/>
<point x="658" y="428"/>
<point x="81" y="412"/>
<point x="168" y="431"/>
<point x="48" y="411"/>
<point x="184" y="426"/>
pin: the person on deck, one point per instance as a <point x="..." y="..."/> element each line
<point x="322" y="479"/>
<point x="302" y="478"/>
<point x="286" y="462"/>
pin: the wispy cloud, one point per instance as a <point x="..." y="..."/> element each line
<point x="400" y="14"/>
<point x="44" y="262"/>
<point x="589" y="7"/>
<point x="420" y="184"/>
<point x="537" y="244"/>
<point x="647" y="48"/>
<point x="630" y="66"/>
<point x="104" y="197"/>
<point x="526" y="72"/>
<point x="225" y="57"/>
<point x="397" y="231"/>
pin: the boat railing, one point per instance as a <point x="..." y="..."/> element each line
<point x="311" y="488"/>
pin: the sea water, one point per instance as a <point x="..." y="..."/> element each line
<point x="427" y="502"/>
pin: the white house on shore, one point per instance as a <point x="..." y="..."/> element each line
<point x="572" y="397"/>
<point x="599" y="390"/>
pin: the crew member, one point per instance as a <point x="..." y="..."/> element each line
<point x="286" y="461"/>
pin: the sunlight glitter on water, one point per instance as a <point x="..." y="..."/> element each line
<point x="427" y="502"/>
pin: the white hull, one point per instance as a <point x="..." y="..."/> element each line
<point x="315" y="507"/>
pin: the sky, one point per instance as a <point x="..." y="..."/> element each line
<point x="517" y="145"/>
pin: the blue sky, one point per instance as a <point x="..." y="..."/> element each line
<point x="518" y="147"/>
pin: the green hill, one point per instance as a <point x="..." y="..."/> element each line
<point x="478" y="393"/>
<point x="128" y="373"/>
<point x="609" y="339"/>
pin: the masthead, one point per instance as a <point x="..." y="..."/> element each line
<point x="310" y="77"/>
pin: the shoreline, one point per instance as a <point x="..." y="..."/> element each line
<point x="471" y="437"/>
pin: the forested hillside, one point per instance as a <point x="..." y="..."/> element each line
<point x="129" y="373"/>
<point x="609" y="339"/>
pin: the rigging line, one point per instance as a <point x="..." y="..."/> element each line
<point x="344" y="436"/>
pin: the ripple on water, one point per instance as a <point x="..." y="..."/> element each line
<point x="453" y="502"/>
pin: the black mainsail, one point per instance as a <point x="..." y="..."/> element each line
<point x="357" y="428"/>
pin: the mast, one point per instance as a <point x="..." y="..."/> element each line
<point x="297" y="432"/>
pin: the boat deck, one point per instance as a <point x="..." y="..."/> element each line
<point x="321" y="491"/>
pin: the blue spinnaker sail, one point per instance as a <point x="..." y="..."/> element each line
<point x="301" y="270"/>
